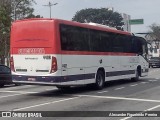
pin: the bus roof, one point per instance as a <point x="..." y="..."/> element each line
<point x="74" y="23"/>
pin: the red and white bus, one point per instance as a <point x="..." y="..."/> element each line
<point x="66" y="53"/>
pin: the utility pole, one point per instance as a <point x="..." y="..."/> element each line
<point x="50" y="7"/>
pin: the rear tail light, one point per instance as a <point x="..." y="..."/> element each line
<point x="12" y="64"/>
<point x="54" y="65"/>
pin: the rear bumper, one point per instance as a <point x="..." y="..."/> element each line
<point x="36" y="83"/>
<point x="53" y="80"/>
<point x="37" y="79"/>
<point x="44" y="80"/>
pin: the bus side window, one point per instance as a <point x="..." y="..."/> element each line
<point x="117" y="43"/>
<point x="94" y="40"/>
<point x="105" y="42"/>
<point x="136" y="46"/>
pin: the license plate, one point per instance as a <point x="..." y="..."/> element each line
<point x="31" y="79"/>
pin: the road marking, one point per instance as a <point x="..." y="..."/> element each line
<point x="52" y="89"/>
<point x="23" y="92"/>
<point x="125" y="118"/>
<point x="155" y="107"/>
<point x="47" y="103"/>
<point x="133" y="85"/>
<point x="18" y="87"/>
<point x="119" y="88"/>
<point x="102" y="92"/>
<point x="121" y="98"/>
<point x="152" y="80"/>
<point x="157" y="78"/>
<point x="20" y="93"/>
<point x="10" y="95"/>
<point x="144" y="82"/>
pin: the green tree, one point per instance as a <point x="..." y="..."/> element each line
<point x="11" y="10"/>
<point x="101" y="16"/>
<point x="5" y="23"/>
<point x="22" y="9"/>
<point x="155" y="34"/>
<point x="155" y="31"/>
<point x="34" y="16"/>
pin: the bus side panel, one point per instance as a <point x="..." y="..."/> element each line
<point x="73" y="68"/>
<point x="82" y="69"/>
<point x="129" y="65"/>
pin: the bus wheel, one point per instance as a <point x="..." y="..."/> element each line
<point x="100" y="78"/>
<point x="136" y="78"/>
<point x="17" y="84"/>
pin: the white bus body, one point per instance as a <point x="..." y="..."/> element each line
<point x="37" y="56"/>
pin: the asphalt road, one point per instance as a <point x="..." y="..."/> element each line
<point x="121" y="95"/>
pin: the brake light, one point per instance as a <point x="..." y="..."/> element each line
<point x="54" y="65"/>
<point x="12" y="64"/>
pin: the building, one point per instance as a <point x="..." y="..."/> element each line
<point x="126" y="18"/>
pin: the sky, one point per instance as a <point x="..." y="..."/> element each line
<point x="149" y="10"/>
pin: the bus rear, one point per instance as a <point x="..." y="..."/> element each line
<point x="34" y="49"/>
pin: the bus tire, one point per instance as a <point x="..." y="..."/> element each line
<point x="17" y="84"/>
<point x="100" y="79"/>
<point x="136" y="78"/>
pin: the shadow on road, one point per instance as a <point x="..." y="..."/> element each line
<point x="81" y="89"/>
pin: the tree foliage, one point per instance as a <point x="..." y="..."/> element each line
<point x="101" y="16"/>
<point x="5" y="23"/>
<point x="22" y="9"/>
<point x="11" y="10"/>
<point x="155" y="34"/>
<point x="5" y="19"/>
<point x="155" y="31"/>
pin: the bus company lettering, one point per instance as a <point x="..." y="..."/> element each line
<point x="31" y="51"/>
